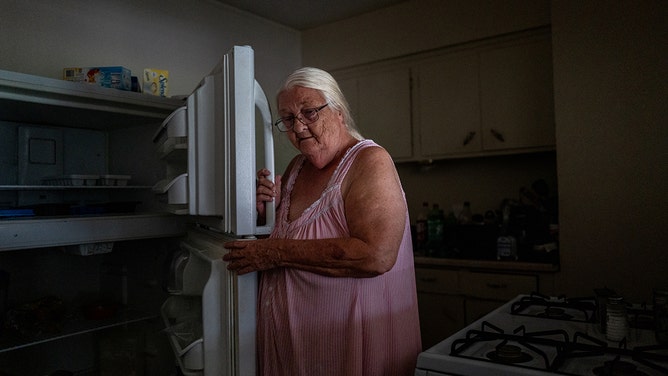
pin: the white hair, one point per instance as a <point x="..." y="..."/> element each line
<point x="318" y="79"/>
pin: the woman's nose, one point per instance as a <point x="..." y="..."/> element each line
<point x="298" y="126"/>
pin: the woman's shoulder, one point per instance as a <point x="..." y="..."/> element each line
<point x="372" y="160"/>
<point x="371" y="152"/>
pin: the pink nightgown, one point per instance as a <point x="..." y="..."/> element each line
<point x="315" y="325"/>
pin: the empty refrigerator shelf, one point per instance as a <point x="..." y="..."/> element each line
<point x="31" y="232"/>
<point x="74" y="327"/>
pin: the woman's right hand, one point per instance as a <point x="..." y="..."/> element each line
<point x="267" y="190"/>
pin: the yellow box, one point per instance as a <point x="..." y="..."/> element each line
<point x="155" y="82"/>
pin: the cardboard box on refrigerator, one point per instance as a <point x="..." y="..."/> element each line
<point x="112" y="77"/>
<point x="156" y="82"/>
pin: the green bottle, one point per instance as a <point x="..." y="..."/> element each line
<point x="435" y="231"/>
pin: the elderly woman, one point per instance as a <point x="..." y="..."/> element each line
<point x="337" y="283"/>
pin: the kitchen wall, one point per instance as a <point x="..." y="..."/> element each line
<point x="611" y="109"/>
<point x="185" y="38"/>
<point x="610" y="106"/>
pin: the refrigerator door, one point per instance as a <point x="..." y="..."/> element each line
<point x="220" y="135"/>
<point x="211" y="319"/>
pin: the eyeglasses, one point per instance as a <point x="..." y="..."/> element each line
<point x="309" y="116"/>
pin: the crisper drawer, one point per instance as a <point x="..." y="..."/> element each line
<point x="437" y="280"/>
<point x="497" y="286"/>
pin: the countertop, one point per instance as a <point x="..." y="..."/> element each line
<point x="512" y="266"/>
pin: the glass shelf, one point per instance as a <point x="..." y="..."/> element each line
<point x="75" y="326"/>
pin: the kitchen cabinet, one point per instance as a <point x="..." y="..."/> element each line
<point x="486" y="291"/>
<point x="380" y="101"/>
<point x="440" y="306"/>
<point x="516" y="94"/>
<point x="447" y="107"/>
<point x="487" y="97"/>
<point x="453" y="293"/>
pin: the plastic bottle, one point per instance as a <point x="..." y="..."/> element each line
<point x="435" y="231"/>
<point x="465" y="215"/>
<point x="421" y="227"/>
<point x="506" y="244"/>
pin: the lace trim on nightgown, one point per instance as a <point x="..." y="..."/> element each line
<point x="331" y="184"/>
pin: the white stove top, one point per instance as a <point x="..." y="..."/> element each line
<point x="474" y="358"/>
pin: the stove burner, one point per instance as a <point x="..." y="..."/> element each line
<point x="574" y="309"/>
<point x="618" y="368"/>
<point x="555" y="313"/>
<point x="509" y="354"/>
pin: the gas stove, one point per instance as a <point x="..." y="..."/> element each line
<point x="538" y="335"/>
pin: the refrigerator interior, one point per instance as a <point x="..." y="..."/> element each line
<point x="90" y="315"/>
<point x="52" y="128"/>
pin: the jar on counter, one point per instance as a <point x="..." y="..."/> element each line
<point x="661" y="315"/>
<point x="616" y="323"/>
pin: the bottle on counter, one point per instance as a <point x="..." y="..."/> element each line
<point x="435" y="231"/>
<point x="466" y="215"/>
<point x="506" y="244"/>
<point x="421" y="227"/>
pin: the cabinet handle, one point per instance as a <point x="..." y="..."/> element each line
<point x="497" y="285"/>
<point x="498" y="135"/>
<point x="469" y="137"/>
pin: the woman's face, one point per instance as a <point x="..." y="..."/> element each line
<point x="321" y="140"/>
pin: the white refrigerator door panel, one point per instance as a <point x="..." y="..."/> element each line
<point x="221" y="145"/>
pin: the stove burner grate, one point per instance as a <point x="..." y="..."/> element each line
<point x="523" y="348"/>
<point x="556" y="308"/>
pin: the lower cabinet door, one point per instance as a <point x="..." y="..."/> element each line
<point x="440" y="317"/>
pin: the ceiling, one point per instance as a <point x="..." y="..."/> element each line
<point x="306" y="14"/>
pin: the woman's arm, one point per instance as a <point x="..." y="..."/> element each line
<point x="376" y="214"/>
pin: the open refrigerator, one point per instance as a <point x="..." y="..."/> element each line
<point x="98" y="211"/>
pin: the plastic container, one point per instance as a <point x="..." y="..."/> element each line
<point x="71" y="180"/>
<point x="616" y="322"/>
<point x="114" y="180"/>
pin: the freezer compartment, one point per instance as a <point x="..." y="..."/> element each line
<point x="182" y="316"/>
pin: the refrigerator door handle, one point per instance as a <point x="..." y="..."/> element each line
<point x="262" y="104"/>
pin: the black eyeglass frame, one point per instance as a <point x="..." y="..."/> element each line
<point x="280" y="123"/>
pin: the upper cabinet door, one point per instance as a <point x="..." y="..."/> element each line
<point x="447" y="105"/>
<point x="516" y="94"/>
<point x="380" y="101"/>
<point x="491" y="97"/>
<point x="384" y="113"/>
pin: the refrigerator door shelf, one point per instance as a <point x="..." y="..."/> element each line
<point x="183" y="325"/>
<point x="175" y="125"/>
<point x="175" y="188"/>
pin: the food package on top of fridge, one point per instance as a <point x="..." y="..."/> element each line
<point x="117" y="77"/>
<point x="155" y="82"/>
